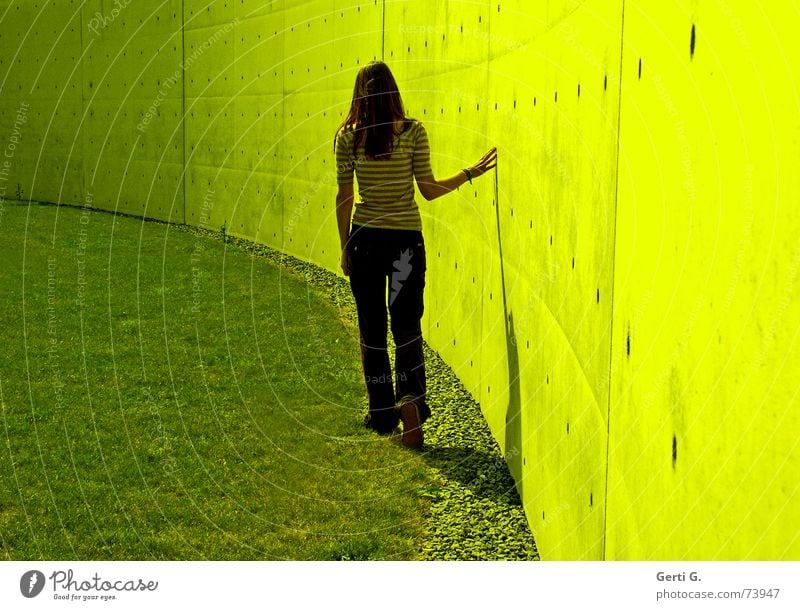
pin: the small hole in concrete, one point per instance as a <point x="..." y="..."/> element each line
<point x="674" y="450"/>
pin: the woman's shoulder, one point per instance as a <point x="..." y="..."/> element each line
<point x="343" y="139"/>
<point x="413" y="126"/>
<point x="345" y="131"/>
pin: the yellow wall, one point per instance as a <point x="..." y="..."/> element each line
<point x="621" y="297"/>
<point x="706" y="286"/>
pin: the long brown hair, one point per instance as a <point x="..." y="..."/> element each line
<point x="374" y="110"/>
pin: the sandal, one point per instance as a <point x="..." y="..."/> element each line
<point x="412" y="423"/>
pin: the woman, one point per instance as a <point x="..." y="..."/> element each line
<point x="386" y="150"/>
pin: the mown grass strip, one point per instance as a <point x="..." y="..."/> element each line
<point x="164" y="395"/>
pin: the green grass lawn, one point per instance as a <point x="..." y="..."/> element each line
<point x="166" y="396"/>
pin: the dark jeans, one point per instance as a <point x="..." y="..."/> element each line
<point x="396" y="255"/>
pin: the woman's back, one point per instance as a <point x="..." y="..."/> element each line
<point x="386" y="183"/>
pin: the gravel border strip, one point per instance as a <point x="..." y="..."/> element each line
<point x="475" y="511"/>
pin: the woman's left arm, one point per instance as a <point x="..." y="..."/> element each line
<point x="344" y="211"/>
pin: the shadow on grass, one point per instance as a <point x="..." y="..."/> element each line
<point x="484" y="474"/>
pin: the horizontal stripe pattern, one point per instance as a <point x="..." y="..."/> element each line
<point x="386" y="186"/>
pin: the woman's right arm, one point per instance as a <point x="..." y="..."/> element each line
<point x="431" y="188"/>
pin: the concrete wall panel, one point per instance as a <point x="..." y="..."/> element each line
<point x="703" y="457"/>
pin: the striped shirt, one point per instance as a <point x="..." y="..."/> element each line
<point x="386" y="187"/>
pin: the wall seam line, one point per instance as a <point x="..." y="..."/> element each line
<point x="613" y="275"/>
<point x="383" y="30"/>
<point x="83" y="108"/>
<point x="183" y="103"/>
